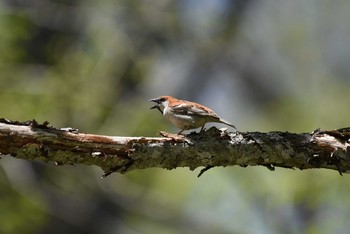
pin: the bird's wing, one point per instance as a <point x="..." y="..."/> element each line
<point x="190" y="108"/>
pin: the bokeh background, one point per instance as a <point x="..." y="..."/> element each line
<point x="93" y="65"/>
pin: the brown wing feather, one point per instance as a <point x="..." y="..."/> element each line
<point x="191" y="108"/>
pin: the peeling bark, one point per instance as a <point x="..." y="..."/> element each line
<point x="319" y="149"/>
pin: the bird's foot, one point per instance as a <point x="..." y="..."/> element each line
<point x="202" y="129"/>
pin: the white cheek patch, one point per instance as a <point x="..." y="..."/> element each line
<point x="165" y="103"/>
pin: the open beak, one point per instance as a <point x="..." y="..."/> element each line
<point x="154" y="100"/>
<point x="157" y="107"/>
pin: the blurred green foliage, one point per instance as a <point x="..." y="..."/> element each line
<point x="93" y="65"/>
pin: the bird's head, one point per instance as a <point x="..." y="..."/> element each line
<point x="162" y="101"/>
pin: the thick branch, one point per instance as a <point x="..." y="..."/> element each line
<point x="320" y="149"/>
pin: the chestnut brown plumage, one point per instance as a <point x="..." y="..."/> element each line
<point x="185" y="114"/>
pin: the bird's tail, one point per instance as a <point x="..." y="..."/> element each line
<point x="227" y="123"/>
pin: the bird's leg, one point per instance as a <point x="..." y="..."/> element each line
<point x="180" y="133"/>
<point x="202" y="129"/>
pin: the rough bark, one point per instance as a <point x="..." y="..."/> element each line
<point x="319" y="149"/>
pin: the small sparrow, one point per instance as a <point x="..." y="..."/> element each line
<point x="186" y="115"/>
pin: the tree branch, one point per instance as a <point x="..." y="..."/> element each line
<point x="319" y="149"/>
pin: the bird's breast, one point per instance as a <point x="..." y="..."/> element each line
<point x="184" y="121"/>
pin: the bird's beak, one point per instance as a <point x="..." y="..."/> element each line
<point x="154" y="100"/>
<point x="157" y="107"/>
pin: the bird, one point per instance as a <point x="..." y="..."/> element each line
<point x="186" y="115"/>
